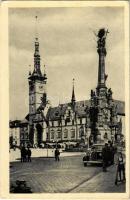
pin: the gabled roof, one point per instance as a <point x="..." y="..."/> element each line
<point x="55" y="113"/>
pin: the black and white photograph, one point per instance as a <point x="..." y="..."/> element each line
<point x="67" y="99"/>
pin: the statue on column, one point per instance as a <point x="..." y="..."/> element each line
<point x="102" y="39"/>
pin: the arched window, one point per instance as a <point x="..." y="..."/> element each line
<point x="81" y="131"/>
<point x="65" y="133"/>
<point x="52" y="134"/>
<point x="58" y="133"/>
<point x="72" y="133"/>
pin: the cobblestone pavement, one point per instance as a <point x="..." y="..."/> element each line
<point x="68" y="175"/>
<point x="102" y="182"/>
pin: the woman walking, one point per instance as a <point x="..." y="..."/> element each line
<point x="120" y="169"/>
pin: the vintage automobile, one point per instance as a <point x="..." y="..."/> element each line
<point x="94" y="155"/>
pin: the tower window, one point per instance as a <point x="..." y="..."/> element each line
<point x="32" y="109"/>
<point x="105" y="136"/>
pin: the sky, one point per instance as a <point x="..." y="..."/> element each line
<point x="67" y="48"/>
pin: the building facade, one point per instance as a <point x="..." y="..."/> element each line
<point x="18" y="133"/>
<point x="99" y="119"/>
<point x="14" y="133"/>
<point x="24" y="130"/>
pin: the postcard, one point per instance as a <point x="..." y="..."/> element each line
<point x="65" y="99"/>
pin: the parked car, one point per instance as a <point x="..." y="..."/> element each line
<point x="94" y="155"/>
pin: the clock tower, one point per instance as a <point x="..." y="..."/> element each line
<point x="37" y="84"/>
<point x="37" y="91"/>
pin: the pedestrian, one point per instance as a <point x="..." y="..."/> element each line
<point x="109" y="153"/>
<point x="120" y="169"/>
<point x="57" y="154"/>
<point x="112" y="154"/>
<point x="105" y="157"/>
<point x="24" y="155"/>
<point x="29" y="154"/>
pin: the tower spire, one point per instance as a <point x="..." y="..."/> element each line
<point x="36" y="28"/>
<point x="37" y="65"/>
<point x="73" y="95"/>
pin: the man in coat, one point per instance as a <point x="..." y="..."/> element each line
<point x="57" y="154"/>
<point x="105" y="157"/>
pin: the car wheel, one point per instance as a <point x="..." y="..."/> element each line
<point x="85" y="164"/>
